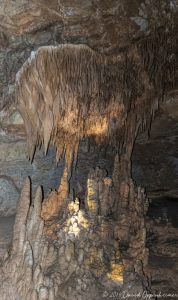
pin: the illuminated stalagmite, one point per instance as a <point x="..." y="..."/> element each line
<point x="60" y="249"/>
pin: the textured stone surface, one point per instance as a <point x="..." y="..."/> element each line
<point x="162" y="230"/>
<point x="76" y="254"/>
<point x="44" y="171"/>
<point x="8" y="197"/>
<point x="6" y="234"/>
<point x="155" y="159"/>
<point x="14" y="167"/>
<point x="108" y="27"/>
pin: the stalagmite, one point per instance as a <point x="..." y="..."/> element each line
<point x="21" y="218"/>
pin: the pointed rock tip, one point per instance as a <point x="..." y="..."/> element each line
<point x="39" y="192"/>
<point x="27" y="181"/>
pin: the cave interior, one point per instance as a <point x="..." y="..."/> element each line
<point x="88" y="149"/>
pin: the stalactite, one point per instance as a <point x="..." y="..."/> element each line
<point x="95" y="102"/>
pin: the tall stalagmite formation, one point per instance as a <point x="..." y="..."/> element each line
<point x="62" y="250"/>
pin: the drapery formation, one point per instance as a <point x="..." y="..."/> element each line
<point x="69" y="92"/>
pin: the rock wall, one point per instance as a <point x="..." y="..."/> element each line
<point x="14" y="164"/>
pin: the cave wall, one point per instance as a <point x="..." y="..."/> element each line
<point x="14" y="163"/>
<point x="154" y="159"/>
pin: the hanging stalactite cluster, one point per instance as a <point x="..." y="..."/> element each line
<point x="159" y="57"/>
<point x="65" y="93"/>
<point x="69" y="92"/>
